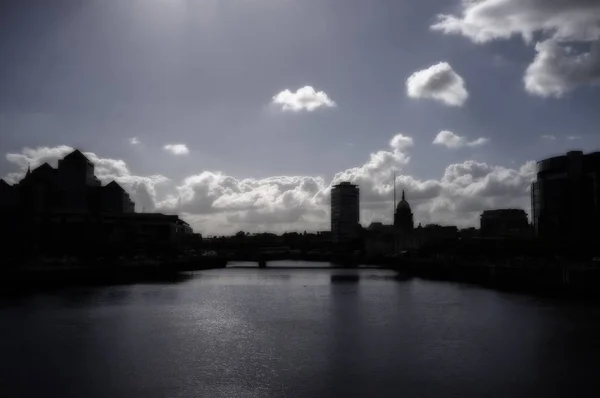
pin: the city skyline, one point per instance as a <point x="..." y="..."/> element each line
<point x="108" y="177"/>
<point x="248" y="130"/>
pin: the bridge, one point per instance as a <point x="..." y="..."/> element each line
<point x="338" y="260"/>
<point x="315" y="267"/>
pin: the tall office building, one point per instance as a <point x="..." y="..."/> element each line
<point x="345" y="212"/>
<point x="565" y="199"/>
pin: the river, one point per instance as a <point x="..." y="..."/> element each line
<point x="248" y="332"/>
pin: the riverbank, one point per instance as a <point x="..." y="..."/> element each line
<point x="538" y="278"/>
<point x="37" y="273"/>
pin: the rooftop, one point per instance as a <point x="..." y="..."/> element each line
<point x="113" y="184"/>
<point x="502" y="211"/>
<point x="571" y="153"/>
<point x="345" y="184"/>
<point x="77" y="155"/>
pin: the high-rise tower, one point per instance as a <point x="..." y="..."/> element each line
<point x="345" y="212"/>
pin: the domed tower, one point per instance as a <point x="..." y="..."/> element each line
<point x="403" y="218"/>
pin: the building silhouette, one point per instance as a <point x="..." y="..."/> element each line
<point x="504" y="223"/>
<point x="403" y="216"/>
<point x="402" y="235"/>
<point x="565" y="198"/>
<point x="345" y="213"/>
<point x="71" y="188"/>
<point x="67" y="209"/>
<point x="406" y="237"/>
<point x="76" y="182"/>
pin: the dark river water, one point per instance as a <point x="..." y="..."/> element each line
<point x="245" y="332"/>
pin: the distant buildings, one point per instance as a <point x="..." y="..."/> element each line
<point x="345" y="213"/>
<point x="292" y="243"/>
<point x="504" y="223"/>
<point x="380" y="239"/>
<point x="384" y="240"/>
<point x="565" y="198"/>
<point x="435" y="232"/>
<point x="68" y="209"/>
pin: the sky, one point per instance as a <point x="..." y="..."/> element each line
<point x="241" y="114"/>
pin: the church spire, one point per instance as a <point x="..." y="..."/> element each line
<point x="28" y="169"/>
<point x="403" y="195"/>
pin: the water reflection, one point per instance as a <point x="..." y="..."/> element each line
<point x="345" y="278"/>
<point x="346" y="351"/>
<point x="276" y="332"/>
<point x="283" y="264"/>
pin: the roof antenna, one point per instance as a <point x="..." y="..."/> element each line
<point x="28" y="169"/>
<point x="394" y="209"/>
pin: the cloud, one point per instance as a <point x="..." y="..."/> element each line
<point x="177" y="149"/>
<point x="478" y="142"/>
<point x="227" y="204"/>
<point x="134" y="141"/>
<point x="376" y="175"/>
<point x="549" y="137"/>
<point x="438" y="82"/>
<point x="450" y="140"/>
<point x="216" y="203"/>
<point x="573" y="137"/>
<point x="305" y="98"/>
<point x="486" y="20"/>
<point x="457" y="198"/>
<point x="35" y="157"/>
<point x="401" y="142"/>
<point x="557" y="67"/>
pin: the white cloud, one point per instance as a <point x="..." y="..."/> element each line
<point x="486" y="20"/>
<point x="177" y="149"/>
<point x="376" y="175"/>
<point x="305" y="98"/>
<point x="284" y="203"/>
<point x="549" y="137"/>
<point x="450" y="140"/>
<point x="557" y="67"/>
<point x="401" y="142"/>
<point x="215" y="203"/>
<point x="573" y="137"/>
<point x="134" y="141"/>
<point x="478" y="142"/>
<point x="35" y="157"/>
<point x="439" y="82"/>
